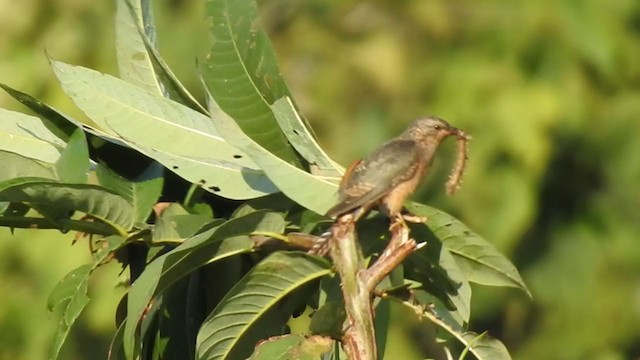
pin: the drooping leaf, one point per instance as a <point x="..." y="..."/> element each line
<point x="142" y="195"/>
<point x="182" y="138"/>
<point x="293" y="347"/>
<point x="89" y="199"/>
<point x="478" y="259"/>
<point x="59" y="125"/>
<point x="28" y="136"/>
<point x="218" y="243"/>
<point x="303" y="141"/>
<point x="71" y="296"/>
<point x="171" y="85"/>
<point x="16" y="166"/>
<point x="242" y="74"/>
<point x="313" y="192"/>
<point x="226" y="333"/>
<point x="73" y="164"/>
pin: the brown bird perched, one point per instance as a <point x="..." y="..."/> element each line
<point x="393" y="171"/>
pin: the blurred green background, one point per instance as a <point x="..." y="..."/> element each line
<point x="550" y="91"/>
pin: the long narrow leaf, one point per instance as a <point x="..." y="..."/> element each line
<point x="223" y="332"/>
<point x="177" y="132"/>
<point x="313" y="192"/>
<point x="242" y="75"/>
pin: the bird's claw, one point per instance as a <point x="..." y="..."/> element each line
<point x="416" y="219"/>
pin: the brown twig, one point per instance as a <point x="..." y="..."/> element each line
<point x="453" y="184"/>
<point x="400" y="247"/>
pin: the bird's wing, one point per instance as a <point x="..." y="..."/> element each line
<point x="372" y="178"/>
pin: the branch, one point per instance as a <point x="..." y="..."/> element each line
<point x="359" y="334"/>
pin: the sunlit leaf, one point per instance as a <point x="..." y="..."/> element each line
<point x="293" y="347"/>
<point x="15" y="166"/>
<point x="313" y="192"/>
<point x="28" y="136"/>
<point x="134" y="63"/>
<point x="303" y="141"/>
<point x="181" y="137"/>
<point x="73" y="164"/>
<point x="242" y="75"/>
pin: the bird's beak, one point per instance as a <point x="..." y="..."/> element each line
<point x="458" y="133"/>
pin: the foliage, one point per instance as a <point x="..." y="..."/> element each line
<point x="235" y="150"/>
<point x="523" y="100"/>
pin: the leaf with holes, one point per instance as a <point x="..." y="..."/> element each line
<point x="313" y="192"/>
<point x="180" y="137"/>
<point x="228" y="332"/>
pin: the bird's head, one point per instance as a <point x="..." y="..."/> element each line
<point x="431" y="129"/>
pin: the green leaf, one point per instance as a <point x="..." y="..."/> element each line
<point x="16" y="166"/>
<point x="183" y="140"/>
<point x="170" y="86"/>
<point x="142" y="195"/>
<point x="90" y="199"/>
<point x="313" y="192"/>
<point x="173" y="88"/>
<point x="381" y="323"/>
<point x="223" y="332"/>
<point x="209" y="175"/>
<point x="438" y="272"/>
<point x="303" y="141"/>
<point x="218" y="243"/>
<point x="60" y="125"/>
<point x="71" y="296"/>
<point x="73" y="164"/>
<point x="478" y="259"/>
<point x="134" y="63"/>
<point x="28" y="136"/>
<point x="293" y="347"/>
<point x="177" y="228"/>
<point x="242" y="75"/>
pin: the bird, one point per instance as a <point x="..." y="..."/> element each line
<point x="389" y="174"/>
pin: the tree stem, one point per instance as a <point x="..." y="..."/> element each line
<point x="359" y="334"/>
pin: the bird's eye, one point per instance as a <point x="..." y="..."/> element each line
<point x="437" y="127"/>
